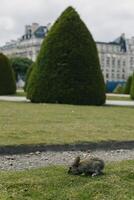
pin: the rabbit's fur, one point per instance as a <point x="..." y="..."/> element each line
<point x="89" y="166"/>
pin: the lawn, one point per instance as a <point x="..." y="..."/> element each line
<point x="119" y="98"/>
<point x="26" y="123"/>
<point x="53" y="183"/>
<point x="19" y="94"/>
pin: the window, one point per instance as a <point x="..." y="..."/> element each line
<point x="113" y="62"/>
<point x="112" y="75"/>
<point x="107" y="75"/>
<point x="131" y="61"/>
<point x="108" y="61"/>
<point x="118" y="76"/>
<point x="124" y="63"/>
<point x="119" y="63"/>
<point x="102" y="59"/>
<point x="123" y="76"/>
<point x="30" y="53"/>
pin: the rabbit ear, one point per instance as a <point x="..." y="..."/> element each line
<point x="76" y="161"/>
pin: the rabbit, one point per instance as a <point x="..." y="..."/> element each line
<point x="90" y="166"/>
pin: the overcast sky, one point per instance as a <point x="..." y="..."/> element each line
<point x="106" y="19"/>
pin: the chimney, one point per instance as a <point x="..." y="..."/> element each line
<point x="34" y="27"/>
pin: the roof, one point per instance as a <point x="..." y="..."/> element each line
<point x="40" y="32"/>
<point x="107" y="43"/>
<point x="120" y="41"/>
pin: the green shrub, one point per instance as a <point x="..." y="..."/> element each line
<point x="7" y="79"/>
<point x="128" y="85"/>
<point x="132" y="88"/>
<point x="119" y="89"/>
<point x="123" y="88"/>
<point x="27" y="76"/>
<point x="67" y="69"/>
<point x="20" y="66"/>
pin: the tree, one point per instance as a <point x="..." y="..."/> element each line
<point x="27" y="76"/>
<point x="119" y="89"/>
<point x="67" y="69"/>
<point x="20" y="66"/>
<point x="128" y="85"/>
<point x="7" y="80"/>
<point x="132" y="88"/>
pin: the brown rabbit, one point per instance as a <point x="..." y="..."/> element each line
<point x="89" y="166"/>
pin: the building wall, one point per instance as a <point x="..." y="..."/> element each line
<point x="26" y="48"/>
<point x="116" y="63"/>
<point x="28" y="45"/>
<point x="113" y="62"/>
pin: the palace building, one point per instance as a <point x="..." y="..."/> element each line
<point x="116" y="57"/>
<point x="28" y="45"/>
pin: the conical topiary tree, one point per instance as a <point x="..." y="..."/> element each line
<point x="67" y="69"/>
<point x="28" y="75"/>
<point x="128" y="85"/>
<point x="132" y="88"/>
<point x="7" y="78"/>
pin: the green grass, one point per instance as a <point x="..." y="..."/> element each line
<point x="118" y="98"/>
<point x="53" y="183"/>
<point x="20" y="94"/>
<point x="26" y="123"/>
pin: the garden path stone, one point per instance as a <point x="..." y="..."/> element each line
<point x="48" y="158"/>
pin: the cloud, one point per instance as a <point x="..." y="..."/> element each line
<point x="6" y="23"/>
<point x="106" y="20"/>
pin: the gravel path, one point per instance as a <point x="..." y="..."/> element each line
<point x="42" y="159"/>
<point x="13" y="98"/>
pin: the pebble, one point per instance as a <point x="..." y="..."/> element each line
<point x="43" y="159"/>
<point x="37" y="152"/>
<point x="10" y="158"/>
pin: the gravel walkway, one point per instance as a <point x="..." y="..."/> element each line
<point x="43" y="159"/>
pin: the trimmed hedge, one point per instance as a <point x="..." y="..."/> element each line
<point x="128" y="85"/>
<point x="27" y="76"/>
<point x="7" y="79"/>
<point x="20" y="66"/>
<point x="132" y="88"/>
<point x="67" y="69"/>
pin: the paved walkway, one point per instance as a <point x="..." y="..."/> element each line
<point x="119" y="103"/>
<point x="108" y="102"/>
<point x="13" y="98"/>
<point x="117" y="95"/>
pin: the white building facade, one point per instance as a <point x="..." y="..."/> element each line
<point x="28" y="45"/>
<point x="116" y="58"/>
